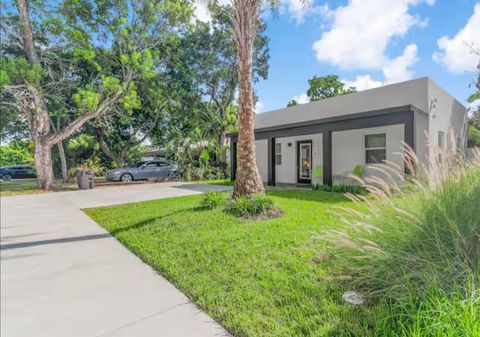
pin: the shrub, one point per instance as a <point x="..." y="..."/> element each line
<point x="341" y="188"/>
<point x="17" y="152"/>
<point x="416" y="250"/>
<point x="213" y="199"/>
<point x="252" y="207"/>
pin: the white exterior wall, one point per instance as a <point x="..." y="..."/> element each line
<point x="261" y="152"/>
<point x="446" y="114"/>
<point x="287" y="172"/>
<point x="348" y="149"/>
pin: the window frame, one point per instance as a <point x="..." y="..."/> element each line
<point x="278" y="154"/>
<point x="377" y="148"/>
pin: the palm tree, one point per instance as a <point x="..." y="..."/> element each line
<point x="245" y="22"/>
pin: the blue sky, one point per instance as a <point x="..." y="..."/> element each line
<point x="370" y="43"/>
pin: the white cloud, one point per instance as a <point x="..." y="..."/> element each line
<point x="298" y="9"/>
<point x="363" y="82"/>
<point x="361" y="32"/>
<point x="201" y="12"/>
<point x="259" y="107"/>
<point x="302" y="98"/>
<point x="398" y="69"/>
<point x="475" y="105"/>
<point x="455" y="54"/>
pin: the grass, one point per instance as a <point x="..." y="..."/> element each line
<point x="256" y="278"/>
<point x="27" y="186"/>
<point x="220" y="182"/>
<point x="414" y="252"/>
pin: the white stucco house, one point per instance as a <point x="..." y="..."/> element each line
<point x="323" y="141"/>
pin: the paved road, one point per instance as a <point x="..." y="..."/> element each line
<point x="63" y="275"/>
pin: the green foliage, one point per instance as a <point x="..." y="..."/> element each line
<point x="83" y="143"/>
<point x="327" y="86"/>
<point x="19" y="70"/>
<point x="247" y="207"/>
<point x="130" y="100"/>
<point x="292" y="102"/>
<point x="339" y="188"/>
<point x="16" y="152"/>
<point x="86" y="100"/>
<point x="431" y="314"/>
<point x="213" y="199"/>
<point x="473" y="135"/>
<point x="417" y="251"/>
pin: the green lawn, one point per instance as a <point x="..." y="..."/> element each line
<point x="256" y="278"/>
<point x="28" y="186"/>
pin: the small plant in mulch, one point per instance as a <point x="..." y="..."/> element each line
<point x="213" y="199"/>
<point x="256" y="207"/>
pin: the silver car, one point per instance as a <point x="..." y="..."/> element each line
<point x="153" y="169"/>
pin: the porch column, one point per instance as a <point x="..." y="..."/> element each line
<point x="327" y="157"/>
<point x="271" y="161"/>
<point x="233" y="159"/>
<point x="409" y="135"/>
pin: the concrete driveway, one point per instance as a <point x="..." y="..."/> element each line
<point x="63" y="275"/>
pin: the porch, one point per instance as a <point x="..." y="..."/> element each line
<point x="326" y="150"/>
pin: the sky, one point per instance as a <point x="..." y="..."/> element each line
<point x="368" y="43"/>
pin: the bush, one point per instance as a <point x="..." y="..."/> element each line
<point x="416" y="251"/>
<point x="342" y="188"/>
<point x="252" y="207"/>
<point x="213" y="199"/>
<point x="17" y="152"/>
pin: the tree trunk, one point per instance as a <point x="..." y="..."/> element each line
<point x="248" y="180"/>
<point x="43" y="163"/>
<point x="63" y="161"/>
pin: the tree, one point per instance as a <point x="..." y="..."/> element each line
<point x="131" y="128"/>
<point x="245" y="24"/>
<point x="210" y="53"/>
<point x="52" y="62"/>
<point x="326" y="86"/>
<point x="292" y="102"/>
<point x="474" y="120"/>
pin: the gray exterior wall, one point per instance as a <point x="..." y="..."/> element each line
<point x="414" y="92"/>
<point x="446" y="114"/>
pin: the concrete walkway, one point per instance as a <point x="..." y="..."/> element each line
<point x="63" y="275"/>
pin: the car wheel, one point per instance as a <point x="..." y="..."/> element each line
<point x="6" y="177"/>
<point x="126" y="178"/>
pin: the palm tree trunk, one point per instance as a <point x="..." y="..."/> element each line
<point x="248" y="180"/>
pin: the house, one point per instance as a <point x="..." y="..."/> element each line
<point x="327" y="140"/>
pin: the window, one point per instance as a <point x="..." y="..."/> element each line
<point x="278" y="153"/>
<point x="375" y="148"/>
<point x="441" y="139"/>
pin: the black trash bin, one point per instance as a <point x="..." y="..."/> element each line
<point x="85" y="179"/>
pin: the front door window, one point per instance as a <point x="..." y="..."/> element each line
<point x="305" y="163"/>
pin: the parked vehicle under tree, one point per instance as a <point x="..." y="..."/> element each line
<point x="154" y="169"/>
